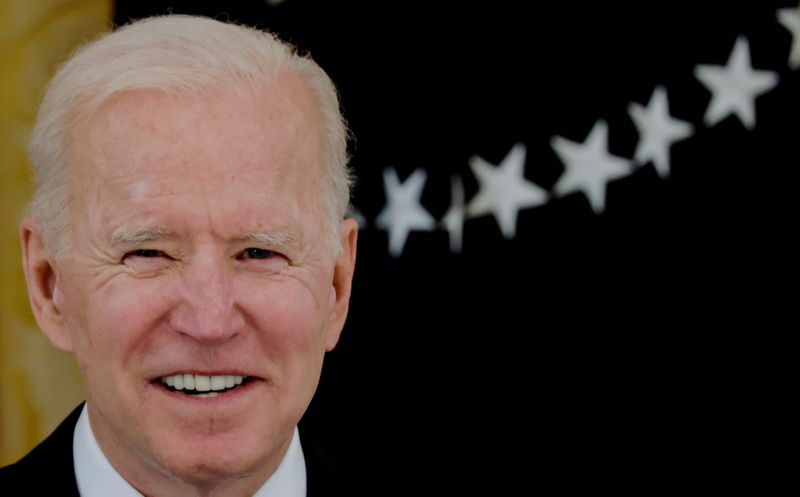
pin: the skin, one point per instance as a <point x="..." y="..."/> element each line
<point x="237" y="278"/>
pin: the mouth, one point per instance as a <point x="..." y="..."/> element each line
<point x="203" y="386"/>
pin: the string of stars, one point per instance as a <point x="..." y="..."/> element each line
<point x="503" y="190"/>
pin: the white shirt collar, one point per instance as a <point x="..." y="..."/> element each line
<point x="96" y="476"/>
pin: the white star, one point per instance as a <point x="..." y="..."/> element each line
<point x="403" y="212"/>
<point x="503" y="190"/>
<point x="790" y="18"/>
<point x="453" y="221"/>
<point x="657" y="131"/>
<point x="589" y="166"/>
<point x="735" y="86"/>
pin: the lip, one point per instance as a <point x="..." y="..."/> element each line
<point x="242" y="392"/>
<point x="216" y="372"/>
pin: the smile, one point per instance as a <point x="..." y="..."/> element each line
<point x="203" y="386"/>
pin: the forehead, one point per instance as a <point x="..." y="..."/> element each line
<point x="273" y="126"/>
<point x="229" y="150"/>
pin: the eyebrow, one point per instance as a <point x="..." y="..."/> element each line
<point x="274" y="239"/>
<point x="124" y="237"/>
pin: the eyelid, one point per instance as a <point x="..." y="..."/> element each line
<point x="270" y="252"/>
<point x="158" y="253"/>
<point x="148" y="250"/>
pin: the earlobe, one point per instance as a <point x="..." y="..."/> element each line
<point x="44" y="292"/>
<point x="342" y="281"/>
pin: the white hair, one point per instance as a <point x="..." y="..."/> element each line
<point x="176" y="55"/>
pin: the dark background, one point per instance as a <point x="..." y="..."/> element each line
<point x="592" y="351"/>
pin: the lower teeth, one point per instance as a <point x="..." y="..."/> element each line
<point x="206" y="395"/>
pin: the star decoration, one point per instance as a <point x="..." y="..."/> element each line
<point x="790" y="19"/>
<point x="657" y="131"/>
<point x="504" y="190"/>
<point x="735" y="86"/>
<point x="403" y="212"/>
<point x="589" y="165"/>
<point x="453" y="220"/>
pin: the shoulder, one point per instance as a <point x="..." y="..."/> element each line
<point x="13" y="478"/>
<point x="327" y="476"/>
<point x="48" y="467"/>
<point x="8" y="474"/>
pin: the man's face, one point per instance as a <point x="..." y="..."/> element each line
<point x="199" y="251"/>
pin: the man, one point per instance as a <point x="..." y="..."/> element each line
<point x="186" y="242"/>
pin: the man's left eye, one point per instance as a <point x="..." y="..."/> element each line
<point x="256" y="253"/>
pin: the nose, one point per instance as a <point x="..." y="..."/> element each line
<point x="207" y="310"/>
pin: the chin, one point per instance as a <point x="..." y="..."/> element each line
<point x="211" y="472"/>
<point x="214" y="459"/>
<point x="211" y="468"/>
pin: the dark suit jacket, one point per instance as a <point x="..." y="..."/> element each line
<point x="48" y="469"/>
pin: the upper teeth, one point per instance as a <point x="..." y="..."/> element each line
<point x="201" y="383"/>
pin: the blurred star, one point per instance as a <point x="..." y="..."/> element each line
<point x="453" y="220"/>
<point x="790" y="19"/>
<point x="504" y="190"/>
<point x="734" y="87"/>
<point x="589" y="166"/>
<point x="657" y="131"/>
<point x="403" y="212"/>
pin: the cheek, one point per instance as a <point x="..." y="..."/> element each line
<point x="117" y="318"/>
<point x="75" y="293"/>
<point x="288" y="318"/>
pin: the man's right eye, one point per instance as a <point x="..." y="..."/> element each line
<point x="146" y="260"/>
<point x="149" y="253"/>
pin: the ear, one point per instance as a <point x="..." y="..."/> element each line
<point x="43" y="289"/>
<point x="342" y="281"/>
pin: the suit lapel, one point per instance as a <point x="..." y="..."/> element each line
<point x="324" y="476"/>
